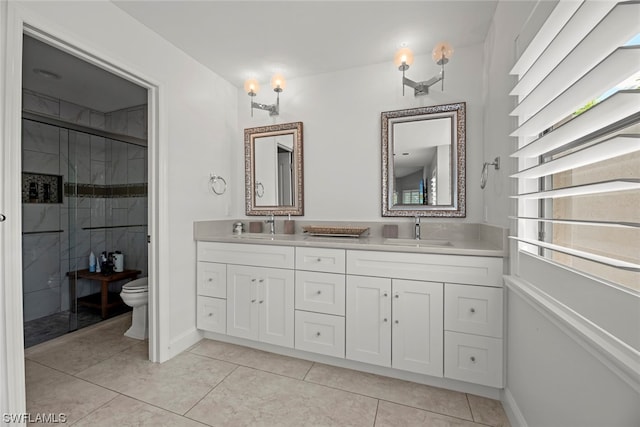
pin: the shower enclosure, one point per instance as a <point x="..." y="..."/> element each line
<point x="84" y="189"/>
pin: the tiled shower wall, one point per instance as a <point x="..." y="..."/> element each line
<point x="84" y="159"/>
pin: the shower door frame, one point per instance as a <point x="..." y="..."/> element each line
<point x="22" y="21"/>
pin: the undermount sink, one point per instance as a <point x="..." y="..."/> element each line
<point x="416" y="243"/>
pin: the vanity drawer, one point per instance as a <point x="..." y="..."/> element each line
<point x="320" y="333"/>
<point x="320" y="292"/>
<point x="473" y="309"/>
<point x="247" y="254"/>
<point x="212" y="314"/>
<point x="320" y="259"/>
<point x="474" y="270"/>
<point x="473" y="359"/>
<point x="212" y="279"/>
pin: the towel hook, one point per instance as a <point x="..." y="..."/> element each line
<point x="218" y="184"/>
<point x="485" y="171"/>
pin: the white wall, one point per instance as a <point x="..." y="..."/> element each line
<point x="553" y="378"/>
<point x="340" y="112"/>
<point x="196" y="129"/>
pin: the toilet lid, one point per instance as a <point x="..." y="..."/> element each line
<point x="135" y="291"/>
<point x="138" y="285"/>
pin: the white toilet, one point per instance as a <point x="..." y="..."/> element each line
<point x="136" y="294"/>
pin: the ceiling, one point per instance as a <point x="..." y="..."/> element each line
<point x="77" y="81"/>
<point x="243" y="39"/>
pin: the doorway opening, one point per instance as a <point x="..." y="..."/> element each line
<point x="84" y="190"/>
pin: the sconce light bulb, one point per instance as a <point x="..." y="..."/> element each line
<point x="403" y="58"/>
<point x="252" y="87"/>
<point x="278" y="83"/>
<point x="442" y="53"/>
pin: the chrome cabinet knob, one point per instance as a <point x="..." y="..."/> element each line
<point x="253" y="300"/>
<point x="261" y="301"/>
<point x="253" y="280"/>
<point x="210" y="279"/>
<point x="210" y="314"/>
<point x="317" y="334"/>
<point x="385" y="294"/>
<point x="261" y="280"/>
<point x="319" y="292"/>
<point x="384" y="320"/>
<point x="397" y="296"/>
<point x="472" y="310"/>
<point x="473" y="359"/>
<point x="397" y="321"/>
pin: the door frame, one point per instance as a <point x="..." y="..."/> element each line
<point x="22" y="21"/>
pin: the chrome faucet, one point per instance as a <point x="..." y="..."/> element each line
<point x="272" y="224"/>
<point x="417" y="228"/>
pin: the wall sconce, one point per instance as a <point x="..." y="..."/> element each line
<point x="252" y="87"/>
<point x="404" y="58"/>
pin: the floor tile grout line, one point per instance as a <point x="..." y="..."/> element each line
<point x="96" y="409"/>
<point x="375" y="417"/>
<point x="466" y="396"/>
<point x="389" y="401"/>
<point x="253" y="367"/>
<point x="209" y="392"/>
<point x="308" y="370"/>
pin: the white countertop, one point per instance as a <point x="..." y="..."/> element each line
<point x="440" y="246"/>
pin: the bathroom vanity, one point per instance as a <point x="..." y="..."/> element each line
<point x="429" y="307"/>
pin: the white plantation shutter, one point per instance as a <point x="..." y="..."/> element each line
<point x="578" y="111"/>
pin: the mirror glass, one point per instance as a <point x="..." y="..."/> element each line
<point x="273" y="170"/>
<point x="423" y="161"/>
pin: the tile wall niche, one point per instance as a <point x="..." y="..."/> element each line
<point x="106" y="171"/>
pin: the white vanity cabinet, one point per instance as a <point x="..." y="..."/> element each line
<point x="320" y="301"/>
<point x="259" y="298"/>
<point x="211" y="314"/>
<point x="395" y="322"/>
<point x="473" y="334"/>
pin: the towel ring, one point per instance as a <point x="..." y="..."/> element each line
<point x="259" y="189"/>
<point x="485" y="171"/>
<point x="218" y="184"/>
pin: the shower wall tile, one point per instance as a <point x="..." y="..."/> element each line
<point x="118" y="241"/>
<point x="40" y="137"/>
<point x="137" y="210"/>
<point x="119" y="216"/>
<point x="137" y="123"/>
<point x="75" y="113"/>
<point x="118" y="163"/>
<point x="98" y="172"/>
<point x="136" y="257"/>
<point x="97" y="120"/>
<point x="40" y="217"/>
<point x="34" y="161"/>
<point x="40" y="261"/>
<point x="136" y="152"/>
<point x="116" y="121"/>
<point x="99" y="241"/>
<point x="136" y="172"/>
<point x="79" y="158"/>
<point x="40" y="103"/>
<point x="41" y="303"/>
<point x="98" y="148"/>
<point x="98" y="213"/>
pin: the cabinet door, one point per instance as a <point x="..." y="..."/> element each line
<point x="275" y="291"/>
<point x="242" y="306"/>
<point x="417" y="326"/>
<point x="369" y="320"/>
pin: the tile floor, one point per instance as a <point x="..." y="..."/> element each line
<point x="98" y="377"/>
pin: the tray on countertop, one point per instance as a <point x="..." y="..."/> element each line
<point x="334" y="231"/>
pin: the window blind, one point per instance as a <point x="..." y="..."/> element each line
<point x="578" y="151"/>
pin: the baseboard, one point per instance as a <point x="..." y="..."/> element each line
<point x="183" y="342"/>
<point x="516" y="419"/>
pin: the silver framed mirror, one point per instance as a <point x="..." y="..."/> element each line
<point x="274" y="170"/>
<point x="424" y="161"/>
